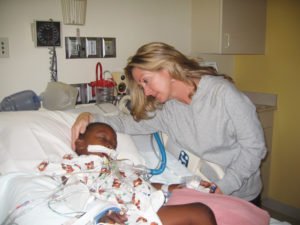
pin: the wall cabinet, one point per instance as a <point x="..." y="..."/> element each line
<point x="228" y="26"/>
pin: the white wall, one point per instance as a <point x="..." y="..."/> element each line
<point x="132" y="22"/>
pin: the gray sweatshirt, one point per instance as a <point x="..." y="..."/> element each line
<point x="220" y="125"/>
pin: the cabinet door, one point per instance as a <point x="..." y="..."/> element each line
<point x="228" y="26"/>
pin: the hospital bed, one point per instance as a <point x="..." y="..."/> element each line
<point x="28" y="137"/>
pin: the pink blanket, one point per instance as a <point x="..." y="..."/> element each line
<point x="227" y="209"/>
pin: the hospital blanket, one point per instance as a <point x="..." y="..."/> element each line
<point x="228" y="210"/>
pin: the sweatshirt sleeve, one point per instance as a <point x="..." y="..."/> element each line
<point x="126" y="124"/>
<point x="249" y="140"/>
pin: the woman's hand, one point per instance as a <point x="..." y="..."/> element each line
<point x="79" y="126"/>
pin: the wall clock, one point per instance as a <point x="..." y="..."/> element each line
<point x="47" y="33"/>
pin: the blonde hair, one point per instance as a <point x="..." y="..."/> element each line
<point x="156" y="56"/>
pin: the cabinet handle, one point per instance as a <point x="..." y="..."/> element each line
<point x="227" y="37"/>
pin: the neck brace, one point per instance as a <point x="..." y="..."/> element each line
<point x="101" y="149"/>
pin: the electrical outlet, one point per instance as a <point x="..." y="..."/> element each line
<point x="4" y="48"/>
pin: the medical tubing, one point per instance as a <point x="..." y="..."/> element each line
<point x="162" y="150"/>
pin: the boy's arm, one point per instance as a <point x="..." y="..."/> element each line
<point x="211" y="187"/>
<point x="192" y="213"/>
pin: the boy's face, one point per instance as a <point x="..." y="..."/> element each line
<point x="98" y="135"/>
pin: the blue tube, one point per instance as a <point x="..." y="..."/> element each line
<point x="162" y="150"/>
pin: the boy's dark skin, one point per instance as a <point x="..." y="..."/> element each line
<point x="96" y="134"/>
<point x="186" y="214"/>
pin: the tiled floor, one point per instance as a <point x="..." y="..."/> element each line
<point x="282" y="217"/>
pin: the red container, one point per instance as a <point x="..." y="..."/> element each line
<point x="100" y="82"/>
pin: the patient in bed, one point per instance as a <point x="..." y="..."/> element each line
<point x="183" y="206"/>
<point x="135" y="201"/>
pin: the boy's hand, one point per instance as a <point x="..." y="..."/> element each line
<point x="114" y="217"/>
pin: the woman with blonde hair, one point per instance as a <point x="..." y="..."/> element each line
<point x="200" y="110"/>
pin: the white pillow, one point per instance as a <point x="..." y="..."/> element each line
<point x="28" y="137"/>
<point x="127" y="149"/>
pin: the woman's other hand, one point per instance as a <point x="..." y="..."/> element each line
<point x="79" y="126"/>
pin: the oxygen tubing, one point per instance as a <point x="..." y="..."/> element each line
<point x="162" y="150"/>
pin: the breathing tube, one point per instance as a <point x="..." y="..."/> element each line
<point x="162" y="151"/>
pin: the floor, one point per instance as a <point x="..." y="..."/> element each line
<point x="282" y="217"/>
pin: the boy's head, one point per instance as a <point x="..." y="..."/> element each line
<point x="96" y="134"/>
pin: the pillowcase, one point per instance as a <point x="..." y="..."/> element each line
<point x="31" y="136"/>
<point x="127" y="149"/>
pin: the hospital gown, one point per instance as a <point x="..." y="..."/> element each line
<point x="107" y="180"/>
